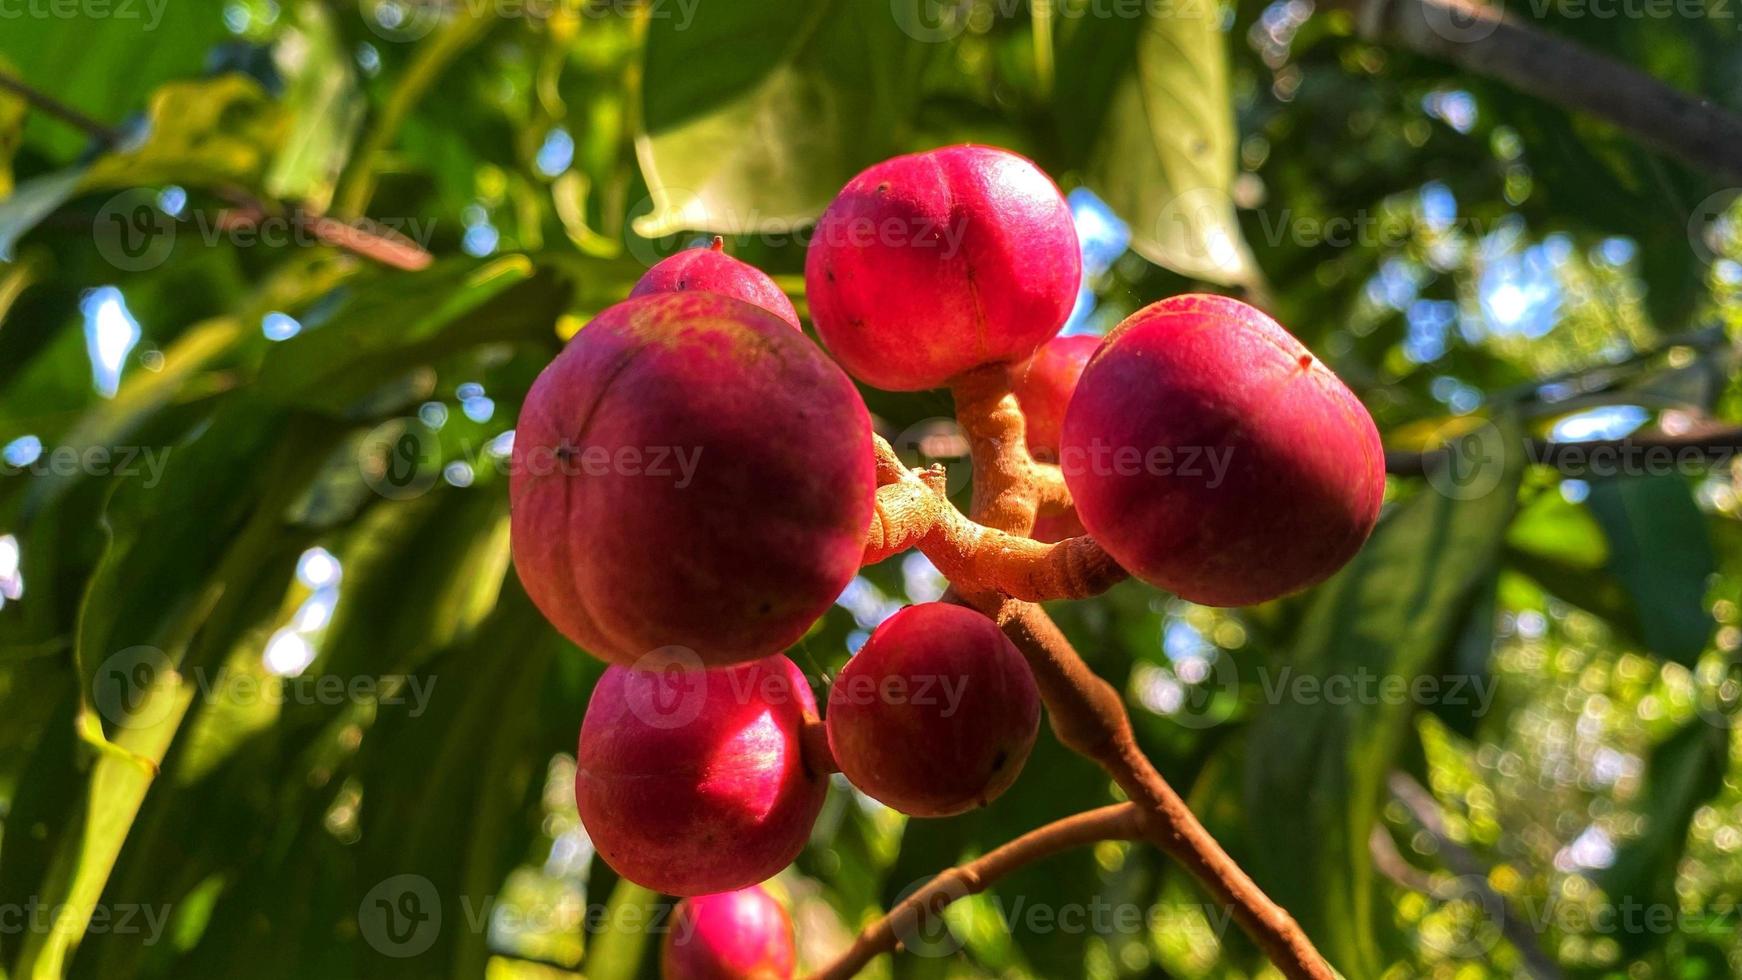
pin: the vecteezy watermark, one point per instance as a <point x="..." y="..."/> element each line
<point x="147" y="13"/>
<point x="403" y="458"/>
<point x="403" y="916"/>
<point x="682" y="689"/>
<point x="927" y="933"/>
<point x="1471" y="464"/>
<point x="937" y="21"/>
<point x="134" y="234"/>
<point x="127" y="462"/>
<point x="1205" y="464"/>
<point x="1202" y="692"/>
<point x="36" y="917"/>
<point x="131" y="688"/>
<point x="410" y="20"/>
<point x="1474" y="936"/>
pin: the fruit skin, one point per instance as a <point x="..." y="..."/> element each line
<point x="1205" y="381"/>
<point x="955" y="733"/>
<point x="1043" y="385"/>
<point x="694" y="781"/>
<point x="1057" y="527"/>
<point x="930" y="264"/>
<point x="738" y="935"/>
<point x="711" y="270"/>
<point x="733" y="559"/>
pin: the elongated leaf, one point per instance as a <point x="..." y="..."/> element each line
<point x="81" y="52"/>
<point x="1661" y="551"/>
<point x="813" y="93"/>
<point x="1163" y="156"/>
<point x="1385" y="618"/>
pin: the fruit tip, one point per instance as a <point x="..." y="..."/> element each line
<point x="718" y="244"/>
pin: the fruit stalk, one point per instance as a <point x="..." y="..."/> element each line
<point x="1086" y="712"/>
<point x="1116" y="822"/>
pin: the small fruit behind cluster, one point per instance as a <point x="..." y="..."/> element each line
<point x="1043" y="386"/>
<point x="930" y="264"/>
<point x="1214" y="456"/>
<point x="694" y="781"/>
<point x="936" y="713"/>
<point x="737" y="935"/>
<point x="690" y="471"/>
<point x="711" y="270"/>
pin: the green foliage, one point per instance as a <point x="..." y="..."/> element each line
<point x="369" y="772"/>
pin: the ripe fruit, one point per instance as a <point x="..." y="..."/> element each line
<point x="741" y="935"/>
<point x="1043" y="386"/>
<point x="711" y="270"/>
<point x="1213" y="456"/>
<point x="1057" y="527"/>
<point x="930" y="264"/>
<point x="693" y="781"/>
<point x="936" y="713"/>
<point x="690" y="471"/>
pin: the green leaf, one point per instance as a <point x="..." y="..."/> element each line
<point x="1683" y="773"/>
<point x="324" y="104"/>
<point x="33" y="201"/>
<point x="1389" y="614"/>
<point x="619" y="954"/>
<point x="1661" y="551"/>
<point x="1164" y="155"/>
<point x="813" y="92"/>
<point x="101" y="61"/>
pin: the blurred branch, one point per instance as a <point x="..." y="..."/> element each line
<point x="1460" y="861"/>
<point x="1711" y="443"/>
<point x="1117" y="822"/>
<point x="362" y="238"/>
<point x="1484" y="40"/>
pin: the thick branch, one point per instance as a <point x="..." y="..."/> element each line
<point x="1089" y="716"/>
<point x="1118" y="822"/>
<point x="914" y="512"/>
<point x="1484" y="40"/>
<point x="1086" y="712"/>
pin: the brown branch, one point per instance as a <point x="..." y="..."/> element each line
<point x="1117" y="822"/>
<point x="1710" y="443"/>
<point x="1086" y="712"/>
<point x="913" y="511"/>
<point x="363" y="238"/>
<point x="1484" y="40"/>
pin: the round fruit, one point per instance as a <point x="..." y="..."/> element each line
<point x="930" y="264"/>
<point x="711" y="270"/>
<point x="1043" y="386"/>
<point x="692" y="472"/>
<point x="1213" y="456"/>
<point x="1057" y="527"/>
<point x="936" y="713"/>
<point x="693" y="781"/>
<point x="741" y="935"/>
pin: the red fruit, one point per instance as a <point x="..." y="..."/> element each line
<point x="1043" y="386"/>
<point x="1213" y="456"/>
<point x="711" y="270"/>
<point x="930" y="264"/>
<point x="691" y="472"/>
<point x="693" y="781"/>
<point x="936" y="713"/>
<point x="1057" y="527"/>
<point x="741" y="935"/>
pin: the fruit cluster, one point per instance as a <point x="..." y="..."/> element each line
<point x="1203" y="448"/>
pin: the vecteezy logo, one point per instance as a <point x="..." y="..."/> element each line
<point x="1468" y="465"/>
<point x="931" y="21"/>
<point x="679" y="690"/>
<point x="1708" y="224"/>
<point x="923" y="931"/>
<point x="937" y="440"/>
<point x="401" y="20"/>
<point x="123" y="687"/>
<point x="1462" y="21"/>
<point x="132" y="233"/>
<point x="400" y="459"/>
<point x="401" y="916"/>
